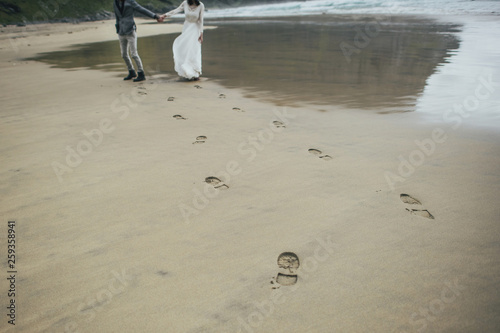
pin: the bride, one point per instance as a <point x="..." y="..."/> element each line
<point x="187" y="47"/>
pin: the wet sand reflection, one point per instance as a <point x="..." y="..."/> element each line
<point x="360" y="62"/>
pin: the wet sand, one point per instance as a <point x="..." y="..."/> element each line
<point x="360" y="62"/>
<point x="164" y="206"/>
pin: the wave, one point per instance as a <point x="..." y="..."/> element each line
<point x="318" y="7"/>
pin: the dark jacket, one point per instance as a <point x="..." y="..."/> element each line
<point x="125" y="24"/>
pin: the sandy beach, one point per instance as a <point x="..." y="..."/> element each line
<point x="119" y="227"/>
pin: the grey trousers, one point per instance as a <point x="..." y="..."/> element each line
<point x="129" y="43"/>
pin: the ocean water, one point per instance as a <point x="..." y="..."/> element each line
<point x="440" y="86"/>
<point x="430" y="57"/>
<point x="320" y="7"/>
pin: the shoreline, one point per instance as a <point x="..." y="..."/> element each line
<point x="425" y="57"/>
<point x="133" y="224"/>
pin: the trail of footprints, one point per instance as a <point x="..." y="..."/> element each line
<point x="412" y="202"/>
<point x="176" y="116"/>
<point x="288" y="262"/>
<point x="414" y="205"/>
<point x="282" y="278"/>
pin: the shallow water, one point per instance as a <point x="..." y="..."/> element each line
<point x="465" y="89"/>
<point x="359" y="62"/>
<point x="376" y="63"/>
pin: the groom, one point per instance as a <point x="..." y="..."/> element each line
<point x="126" y="30"/>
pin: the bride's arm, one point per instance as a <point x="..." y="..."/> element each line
<point x="178" y="10"/>
<point x="200" y="22"/>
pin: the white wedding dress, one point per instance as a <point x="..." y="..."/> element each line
<point x="187" y="48"/>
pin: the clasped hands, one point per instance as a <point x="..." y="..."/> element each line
<point x="160" y="18"/>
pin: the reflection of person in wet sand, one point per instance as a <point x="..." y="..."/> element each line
<point x="126" y="30"/>
<point x="187" y="47"/>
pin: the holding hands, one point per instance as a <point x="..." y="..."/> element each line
<point x="160" y="18"/>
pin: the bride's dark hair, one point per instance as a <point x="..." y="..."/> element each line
<point x="193" y="2"/>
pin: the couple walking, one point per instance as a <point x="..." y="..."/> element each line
<point x="186" y="47"/>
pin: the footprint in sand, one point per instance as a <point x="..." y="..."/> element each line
<point x="162" y="273"/>
<point x="200" y="139"/>
<point x="278" y="124"/>
<point x="421" y="212"/>
<point x="216" y="183"/>
<point x="179" y="117"/>
<point x="409" y="200"/>
<point x="238" y="109"/>
<point x="171" y="99"/>
<point x="288" y="262"/>
<point x="319" y="154"/>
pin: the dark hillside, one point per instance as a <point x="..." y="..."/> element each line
<point x="37" y="11"/>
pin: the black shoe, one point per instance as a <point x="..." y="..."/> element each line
<point x="140" y="77"/>
<point x="131" y="75"/>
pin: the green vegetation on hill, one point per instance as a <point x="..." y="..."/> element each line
<point x="36" y="11"/>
